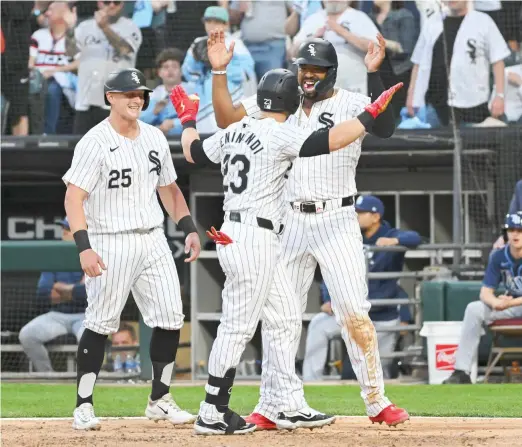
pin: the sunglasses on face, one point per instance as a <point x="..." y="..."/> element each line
<point x="115" y="3"/>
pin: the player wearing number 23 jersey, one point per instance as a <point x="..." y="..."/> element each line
<point x="254" y="157"/>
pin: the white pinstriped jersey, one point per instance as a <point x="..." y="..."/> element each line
<point x="255" y="156"/>
<point x="121" y="177"/>
<point x="328" y="176"/>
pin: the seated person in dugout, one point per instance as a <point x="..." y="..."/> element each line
<point x="504" y="267"/>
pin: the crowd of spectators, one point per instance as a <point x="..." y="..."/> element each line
<point x="57" y="55"/>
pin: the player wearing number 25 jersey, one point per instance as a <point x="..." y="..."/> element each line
<point x="254" y="157"/>
<point x="117" y="169"/>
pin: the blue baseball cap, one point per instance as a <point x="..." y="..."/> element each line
<point x="370" y="204"/>
<point x="513" y="220"/>
<point x="64" y="223"/>
<point x="216" y="13"/>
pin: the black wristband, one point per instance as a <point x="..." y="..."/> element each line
<point x="81" y="238"/>
<point x="366" y="119"/>
<point x="186" y="224"/>
<point x="189" y="125"/>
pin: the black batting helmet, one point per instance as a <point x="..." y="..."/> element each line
<point x="126" y="80"/>
<point x="319" y="52"/>
<point x="278" y="91"/>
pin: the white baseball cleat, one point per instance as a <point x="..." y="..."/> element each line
<point x="84" y="418"/>
<point x="165" y="409"/>
<point x="303" y="418"/>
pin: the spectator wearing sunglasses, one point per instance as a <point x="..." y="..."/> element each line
<point x="106" y="43"/>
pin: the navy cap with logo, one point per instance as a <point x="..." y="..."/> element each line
<point x="370" y="204"/>
<point x="513" y="221"/>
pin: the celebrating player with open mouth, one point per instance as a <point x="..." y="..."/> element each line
<point x="254" y="156"/>
<point x="321" y="224"/>
<point x="117" y="222"/>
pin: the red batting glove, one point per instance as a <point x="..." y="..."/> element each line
<point x="219" y="237"/>
<point x="382" y="102"/>
<point x="186" y="106"/>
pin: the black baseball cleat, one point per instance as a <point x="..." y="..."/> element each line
<point x="229" y="423"/>
<point x="304" y="418"/>
<point x="458" y="377"/>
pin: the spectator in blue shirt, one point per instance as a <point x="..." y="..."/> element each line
<point x="323" y="326"/>
<point x="65" y="292"/>
<point x="504" y="267"/>
<point x="161" y="112"/>
<point x="196" y="67"/>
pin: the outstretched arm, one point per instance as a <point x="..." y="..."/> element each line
<point x="219" y="57"/>
<point x="341" y="135"/>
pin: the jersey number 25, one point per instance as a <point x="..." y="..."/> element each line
<point x="242" y="173"/>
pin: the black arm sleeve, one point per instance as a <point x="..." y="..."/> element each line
<point x="198" y="154"/>
<point x="316" y="144"/>
<point x="384" y="125"/>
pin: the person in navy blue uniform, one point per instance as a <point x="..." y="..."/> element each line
<point x="323" y="327"/>
<point x="504" y="268"/>
<point x="514" y="205"/>
<point x="65" y="293"/>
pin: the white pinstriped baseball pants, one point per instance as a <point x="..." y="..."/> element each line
<point x="257" y="284"/>
<point x="333" y="240"/>
<point x="140" y="262"/>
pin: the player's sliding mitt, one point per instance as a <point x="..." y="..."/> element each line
<point x="219" y="237"/>
<point x="186" y="106"/>
<point x="381" y="103"/>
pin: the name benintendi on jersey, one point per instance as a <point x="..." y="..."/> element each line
<point x="326" y="176"/>
<point x="121" y="177"/>
<point x="255" y="155"/>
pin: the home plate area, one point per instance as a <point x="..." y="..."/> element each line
<point x="355" y="431"/>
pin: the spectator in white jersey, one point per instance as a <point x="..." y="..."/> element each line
<point x="513" y="93"/>
<point x="469" y="42"/>
<point x="255" y="156"/>
<point x="47" y="55"/>
<point x="350" y="31"/>
<point x="106" y="43"/>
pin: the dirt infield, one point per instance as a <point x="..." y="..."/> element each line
<point x="346" y="431"/>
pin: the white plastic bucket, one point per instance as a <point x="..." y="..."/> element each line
<point x="443" y="340"/>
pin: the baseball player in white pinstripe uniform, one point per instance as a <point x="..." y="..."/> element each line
<point x="254" y="156"/>
<point x="321" y="223"/>
<point x="117" y="223"/>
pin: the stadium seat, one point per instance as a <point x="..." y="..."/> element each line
<point x="511" y="327"/>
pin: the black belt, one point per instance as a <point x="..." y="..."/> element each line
<point x="309" y="207"/>
<point x="234" y="216"/>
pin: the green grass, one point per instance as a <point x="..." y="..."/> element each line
<point x="48" y="400"/>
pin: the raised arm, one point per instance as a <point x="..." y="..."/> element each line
<point x="193" y="148"/>
<point x="225" y="111"/>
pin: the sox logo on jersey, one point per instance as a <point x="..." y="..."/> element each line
<point x="153" y="157"/>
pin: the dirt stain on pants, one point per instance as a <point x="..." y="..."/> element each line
<point x="362" y="331"/>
